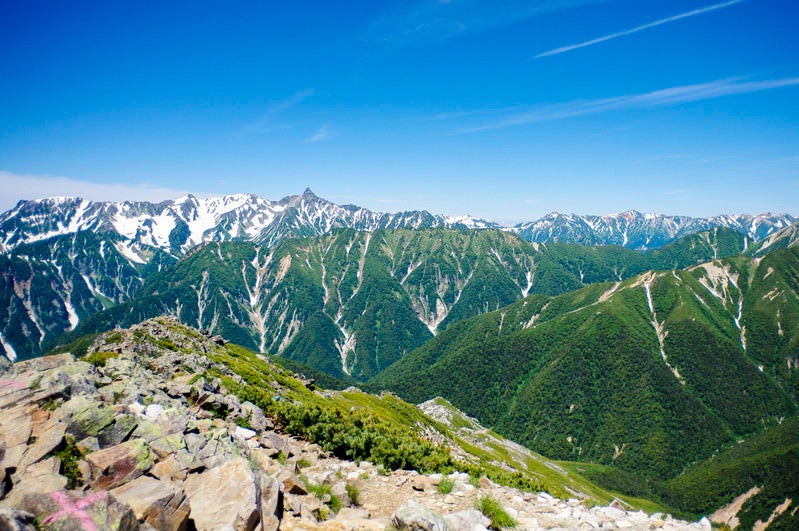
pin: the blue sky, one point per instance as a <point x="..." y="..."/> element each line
<point x="505" y="110"/>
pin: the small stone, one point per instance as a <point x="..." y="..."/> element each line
<point x="243" y="433"/>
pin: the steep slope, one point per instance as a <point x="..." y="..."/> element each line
<point x="648" y="374"/>
<point x="635" y="230"/>
<point x="787" y="237"/>
<point x="351" y="303"/>
<point x="141" y="432"/>
<point x="48" y="286"/>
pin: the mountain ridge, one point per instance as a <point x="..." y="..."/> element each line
<point x="175" y="226"/>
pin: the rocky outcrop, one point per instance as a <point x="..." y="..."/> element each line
<point x="140" y="440"/>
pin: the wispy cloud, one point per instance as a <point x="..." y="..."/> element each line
<point x="657" y="98"/>
<point x="266" y="122"/>
<point x="611" y="36"/>
<point x="14" y="187"/>
<point x="323" y="133"/>
<point x="437" y="20"/>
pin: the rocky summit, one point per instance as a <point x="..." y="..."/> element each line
<point x="138" y="435"/>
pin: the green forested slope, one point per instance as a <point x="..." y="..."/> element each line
<point x="350" y="304"/>
<point x="649" y="374"/>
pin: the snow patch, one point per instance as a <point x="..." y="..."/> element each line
<point x="11" y="354"/>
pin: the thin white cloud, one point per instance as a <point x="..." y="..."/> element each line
<point x="323" y="133"/>
<point x="604" y="38"/>
<point x="266" y="122"/>
<point x="428" y="21"/>
<point x="14" y="187"/>
<point x="657" y="98"/>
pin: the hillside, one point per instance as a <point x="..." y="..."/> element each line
<point x="351" y="303"/>
<point x="160" y="426"/>
<point x="649" y="374"/>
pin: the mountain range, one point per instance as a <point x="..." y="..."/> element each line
<point x="640" y="360"/>
<point x="179" y="225"/>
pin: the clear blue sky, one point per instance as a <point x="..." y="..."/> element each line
<point x="505" y="110"/>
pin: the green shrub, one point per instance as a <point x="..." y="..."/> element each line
<point x="494" y="512"/>
<point x="98" y="359"/>
<point x="446" y="486"/>
<point x="69" y="456"/>
<point x="353" y="492"/>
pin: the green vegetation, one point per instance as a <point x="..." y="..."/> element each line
<point x="353" y="492"/>
<point x="69" y="455"/>
<point x="445" y="486"/>
<point x="324" y="493"/>
<point x="99" y="359"/>
<point x="491" y="508"/>
<point x="769" y="460"/>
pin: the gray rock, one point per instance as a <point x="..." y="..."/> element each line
<point x="414" y="516"/>
<point x="468" y="520"/>
<point x="271" y="502"/>
<point x="256" y="417"/>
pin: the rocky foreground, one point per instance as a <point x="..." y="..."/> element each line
<point x="139" y="440"/>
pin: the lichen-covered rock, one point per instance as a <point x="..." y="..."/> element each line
<point x="119" y="464"/>
<point x="67" y="511"/>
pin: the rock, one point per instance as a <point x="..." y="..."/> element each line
<point x="158" y="503"/>
<point x="468" y="520"/>
<point x="119" y="431"/>
<point x="31" y="483"/>
<point x="119" y="464"/>
<point x="223" y="497"/>
<point x="420" y="483"/>
<point x="256" y="417"/>
<point x="169" y="470"/>
<point x="88" y="445"/>
<point x="168" y="445"/>
<point x="86" y="416"/>
<point x="271" y="502"/>
<point x="48" y="439"/>
<point x="292" y="484"/>
<point x="70" y="512"/>
<point x="13" y="520"/>
<point x="414" y="516"/>
<point x="243" y="433"/>
<point x="271" y="439"/>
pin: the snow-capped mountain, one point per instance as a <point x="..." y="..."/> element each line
<point x="635" y="230"/>
<point x="179" y="225"/>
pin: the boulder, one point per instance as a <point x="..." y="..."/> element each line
<point x="271" y="502"/>
<point x="48" y="438"/>
<point x="468" y="520"/>
<point x="224" y="497"/>
<point x="255" y="416"/>
<point x="414" y="516"/>
<point x="119" y="464"/>
<point x="68" y="511"/>
<point x="159" y="503"/>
